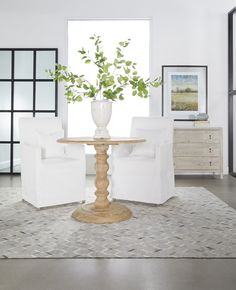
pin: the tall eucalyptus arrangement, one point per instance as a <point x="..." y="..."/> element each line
<point x="112" y="77"/>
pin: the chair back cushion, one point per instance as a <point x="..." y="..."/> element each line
<point x="30" y="127"/>
<point x="49" y="145"/>
<point x="155" y="130"/>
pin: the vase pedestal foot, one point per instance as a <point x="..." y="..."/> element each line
<point x="101" y="133"/>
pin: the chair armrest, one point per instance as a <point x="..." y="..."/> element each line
<point x="164" y="156"/>
<point x="164" y="148"/>
<point x="76" y="151"/>
<point x="30" y="156"/>
<point x="121" y="150"/>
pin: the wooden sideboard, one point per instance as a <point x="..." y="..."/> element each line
<point x="198" y="150"/>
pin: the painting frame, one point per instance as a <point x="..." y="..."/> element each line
<point x="184" y="91"/>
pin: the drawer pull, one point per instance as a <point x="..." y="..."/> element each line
<point x="210" y="137"/>
<point x="210" y="150"/>
<point x="210" y="163"/>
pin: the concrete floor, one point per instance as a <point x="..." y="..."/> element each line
<point x="126" y="274"/>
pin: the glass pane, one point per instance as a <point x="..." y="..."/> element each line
<point x="23" y="96"/>
<point x="23" y="65"/>
<point x="45" y="115"/>
<point x="4" y="157"/>
<point x="44" y="60"/>
<point x="16" y="158"/>
<point x="5" y="95"/>
<point x="234" y="52"/>
<point x="5" y="64"/>
<point x="16" y="118"/>
<point x="45" y="96"/>
<point x="5" y="126"/>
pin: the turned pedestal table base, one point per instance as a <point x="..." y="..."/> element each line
<point x="101" y="211"/>
<point x="88" y="213"/>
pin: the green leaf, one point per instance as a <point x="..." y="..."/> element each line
<point x="79" y="99"/>
<point x="82" y="51"/>
<point x="121" y="97"/>
<point x="127" y="70"/>
<point x="119" y="54"/>
<point x="156" y="84"/>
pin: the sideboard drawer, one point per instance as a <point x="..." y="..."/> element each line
<point x="196" y="136"/>
<point x="193" y="149"/>
<point x="195" y="163"/>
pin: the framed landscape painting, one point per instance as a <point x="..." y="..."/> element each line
<point x="184" y="91"/>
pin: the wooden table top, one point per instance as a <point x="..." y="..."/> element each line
<point x="92" y="141"/>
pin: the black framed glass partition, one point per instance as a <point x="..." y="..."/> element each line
<point x="232" y="90"/>
<point x="26" y="90"/>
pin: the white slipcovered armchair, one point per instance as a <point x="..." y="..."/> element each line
<point x="51" y="173"/>
<point x="144" y="172"/>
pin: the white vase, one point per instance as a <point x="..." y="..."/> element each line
<point x="101" y="113"/>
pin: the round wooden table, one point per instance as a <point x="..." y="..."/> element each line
<point x="102" y="210"/>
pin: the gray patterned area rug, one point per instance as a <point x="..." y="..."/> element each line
<point x="195" y="223"/>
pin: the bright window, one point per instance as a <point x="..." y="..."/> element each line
<point x="112" y="31"/>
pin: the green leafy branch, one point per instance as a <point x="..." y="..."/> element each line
<point x="111" y="79"/>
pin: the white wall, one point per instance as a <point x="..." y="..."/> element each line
<point x="183" y="32"/>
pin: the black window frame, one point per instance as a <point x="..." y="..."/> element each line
<point x="34" y="80"/>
